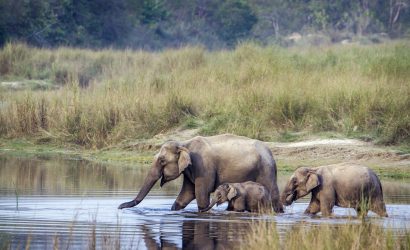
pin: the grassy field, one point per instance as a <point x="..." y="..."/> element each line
<point x="100" y="98"/>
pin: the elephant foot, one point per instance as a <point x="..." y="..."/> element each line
<point x="176" y="207"/>
<point x="278" y="208"/>
<point x="128" y="204"/>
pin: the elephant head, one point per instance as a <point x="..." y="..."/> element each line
<point x="168" y="165"/>
<point x="223" y="193"/>
<point x="301" y="183"/>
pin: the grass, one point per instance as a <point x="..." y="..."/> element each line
<point x="115" y="155"/>
<point x="262" y="235"/>
<point x="365" y="235"/>
<point x="105" y="97"/>
<point x="399" y="172"/>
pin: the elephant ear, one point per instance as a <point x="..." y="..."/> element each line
<point x="312" y="181"/>
<point x="232" y="193"/>
<point x="184" y="159"/>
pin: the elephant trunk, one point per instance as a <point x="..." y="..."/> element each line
<point x="213" y="202"/>
<point x="152" y="177"/>
<point x="288" y="196"/>
<point x="146" y="187"/>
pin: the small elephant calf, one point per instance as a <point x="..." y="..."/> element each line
<point x="343" y="185"/>
<point x="246" y="196"/>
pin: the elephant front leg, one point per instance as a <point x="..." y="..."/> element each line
<point x="240" y="206"/>
<point x="230" y="206"/>
<point x="203" y="188"/>
<point x="314" y="206"/>
<point x="185" y="196"/>
<point x="327" y="200"/>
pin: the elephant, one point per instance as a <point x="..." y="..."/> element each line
<point x="206" y="163"/>
<point x="344" y="185"/>
<point x="247" y="196"/>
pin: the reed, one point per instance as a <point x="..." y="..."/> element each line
<point x="99" y="98"/>
<point x="364" y="235"/>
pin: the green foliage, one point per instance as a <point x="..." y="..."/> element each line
<point x="234" y="20"/>
<point x="152" y="11"/>
<point x="158" y="24"/>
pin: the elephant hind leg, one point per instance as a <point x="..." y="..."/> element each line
<point x="379" y="208"/>
<point x="326" y="207"/>
<point x="361" y="212"/>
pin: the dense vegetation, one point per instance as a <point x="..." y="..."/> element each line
<point x="97" y="98"/>
<point x="155" y="24"/>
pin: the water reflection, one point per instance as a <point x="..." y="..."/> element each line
<point x="198" y="234"/>
<point x="56" y="176"/>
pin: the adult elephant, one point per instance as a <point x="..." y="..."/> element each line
<point x="206" y="163"/>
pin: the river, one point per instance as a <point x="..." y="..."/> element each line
<point x="47" y="203"/>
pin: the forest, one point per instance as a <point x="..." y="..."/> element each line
<point x="214" y="24"/>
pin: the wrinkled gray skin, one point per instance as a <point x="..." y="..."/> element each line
<point x="247" y="196"/>
<point x="206" y="163"/>
<point x="343" y="185"/>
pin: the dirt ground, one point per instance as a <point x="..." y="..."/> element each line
<point x="313" y="152"/>
<point x="326" y="151"/>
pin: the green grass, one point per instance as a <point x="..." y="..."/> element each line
<point x="5" y="241"/>
<point x="382" y="171"/>
<point x="270" y="93"/>
<point x="115" y="155"/>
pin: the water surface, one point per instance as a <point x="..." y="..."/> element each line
<point x="73" y="203"/>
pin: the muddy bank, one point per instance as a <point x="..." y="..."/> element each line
<point x="312" y="152"/>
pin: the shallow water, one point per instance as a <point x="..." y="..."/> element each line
<point x="68" y="203"/>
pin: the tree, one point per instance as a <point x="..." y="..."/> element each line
<point x="396" y="8"/>
<point x="234" y="20"/>
<point x="152" y="12"/>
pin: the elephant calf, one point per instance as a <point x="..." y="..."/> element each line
<point x="246" y="196"/>
<point x="343" y="185"/>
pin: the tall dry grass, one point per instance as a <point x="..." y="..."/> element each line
<point x="365" y="235"/>
<point x="107" y="96"/>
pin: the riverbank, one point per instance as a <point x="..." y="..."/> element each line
<point x="392" y="162"/>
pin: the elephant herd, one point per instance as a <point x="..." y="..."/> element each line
<point x="243" y="172"/>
